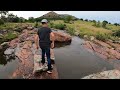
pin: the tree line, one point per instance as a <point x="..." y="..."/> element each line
<point x="5" y="16"/>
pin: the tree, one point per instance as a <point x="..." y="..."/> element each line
<point x="86" y="20"/>
<point x="3" y="18"/>
<point x="116" y="24"/>
<point x="104" y="23"/>
<point x="31" y="19"/>
<point x="94" y="23"/>
<point x="13" y="18"/>
<point x="21" y="19"/>
<point x="81" y="19"/>
<point x="68" y="19"/>
<point x="3" y="13"/>
<point x="10" y="17"/>
<point x="98" y="24"/>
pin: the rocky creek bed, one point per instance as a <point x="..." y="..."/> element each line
<point x="23" y="48"/>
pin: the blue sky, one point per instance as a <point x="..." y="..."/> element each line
<point x="111" y="16"/>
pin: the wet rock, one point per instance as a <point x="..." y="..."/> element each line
<point x="9" y="51"/>
<point x="13" y="43"/>
<point x="103" y="50"/>
<point x="110" y="74"/>
<point x="116" y="42"/>
<point x="5" y="43"/>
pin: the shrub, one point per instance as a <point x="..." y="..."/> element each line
<point x="51" y="25"/>
<point x="1" y="22"/>
<point x="98" y="24"/>
<point x="102" y="36"/>
<point x="70" y="30"/>
<point x="104" y="23"/>
<point x="36" y="24"/>
<point x="86" y="20"/>
<point x="10" y="36"/>
<point x="60" y="26"/>
<point x="94" y="23"/>
<point x="116" y="33"/>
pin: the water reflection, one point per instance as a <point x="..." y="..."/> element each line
<point x="4" y="59"/>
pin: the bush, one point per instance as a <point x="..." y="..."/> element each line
<point x="10" y="36"/>
<point x="51" y="25"/>
<point x="94" y="23"/>
<point x="1" y="22"/>
<point x="86" y="20"/>
<point x="60" y="26"/>
<point x="104" y="23"/>
<point x="116" y="33"/>
<point x="98" y="24"/>
<point x="70" y="30"/>
<point x="36" y="24"/>
<point x="102" y="36"/>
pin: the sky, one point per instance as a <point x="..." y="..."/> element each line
<point x="110" y="16"/>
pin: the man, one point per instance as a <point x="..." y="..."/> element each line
<point x="44" y="34"/>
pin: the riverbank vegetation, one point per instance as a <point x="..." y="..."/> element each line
<point x="11" y="25"/>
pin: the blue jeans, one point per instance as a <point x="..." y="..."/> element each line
<point x="47" y="52"/>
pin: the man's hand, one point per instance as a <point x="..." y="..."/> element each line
<point x="53" y="39"/>
<point x="37" y="47"/>
<point x="52" y="45"/>
<point x="36" y="42"/>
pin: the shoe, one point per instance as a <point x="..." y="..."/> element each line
<point x="49" y="72"/>
<point x="52" y="66"/>
<point x="53" y="58"/>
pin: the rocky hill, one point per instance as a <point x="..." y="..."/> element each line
<point x="56" y="15"/>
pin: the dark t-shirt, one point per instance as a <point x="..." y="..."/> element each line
<point x="44" y="37"/>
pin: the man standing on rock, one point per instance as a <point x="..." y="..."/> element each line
<point x="44" y="34"/>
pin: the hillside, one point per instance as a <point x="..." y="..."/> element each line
<point x="56" y="15"/>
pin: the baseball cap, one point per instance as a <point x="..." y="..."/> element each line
<point x="44" y="20"/>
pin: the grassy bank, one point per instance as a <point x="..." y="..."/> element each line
<point x="87" y="28"/>
<point x="78" y="27"/>
<point x="9" y="31"/>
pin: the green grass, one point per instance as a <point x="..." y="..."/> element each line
<point x="87" y="28"/>
<point x="82" y="27"/>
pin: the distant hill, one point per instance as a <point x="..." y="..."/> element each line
<point x="56" y="16"/>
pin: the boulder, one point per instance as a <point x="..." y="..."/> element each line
<point x="30" y="28"/>
<point x="62" y="37"/>
<point x="76" y="33"/>
<point x="5" y="43"/>
<point x="9" y="51"/>
<point x="110" y="74"/>
<point x="85" y="36"/>
<point x="92" y="38"/>
<point x="14" y="43"/>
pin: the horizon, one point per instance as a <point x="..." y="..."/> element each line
<point x="110" y="16"/>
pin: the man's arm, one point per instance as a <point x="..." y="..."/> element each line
<point x="37" y="41"/>
<point x="53" y="38"/>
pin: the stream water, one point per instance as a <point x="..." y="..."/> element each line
<point x="72" y="61"/>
